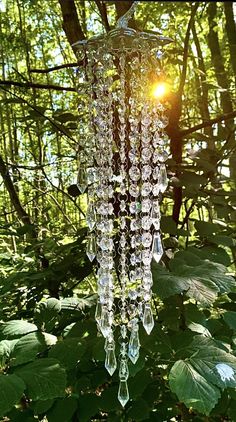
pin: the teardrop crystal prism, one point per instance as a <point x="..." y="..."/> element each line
<point x="163" y="180"/>
<point x="123" y="370"/>
<point x="123" y="393"/>
<point x="110" y="362"/>
<point x="134" y="346"/>
<point x="91" y="217"/>
<point x="105" y="322"/>
<point x="148" y="320"/>
<point x="91" y="249"/>
<point x="82" y="182"/>
<point x="157" y="249"/>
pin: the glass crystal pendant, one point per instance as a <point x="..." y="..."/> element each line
<point x="123" y="153"/>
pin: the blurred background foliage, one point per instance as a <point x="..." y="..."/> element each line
<point x="47" y="284"/>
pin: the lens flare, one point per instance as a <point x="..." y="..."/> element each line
<point x="159" y="90"/>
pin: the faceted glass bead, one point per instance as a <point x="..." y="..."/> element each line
<point x="148" y="320"/>
<point x="146" y="154"/>
<point x="146" y="188"/>
<point x="146" y="205"/>
<point x="133" y="156"/>
<point x="146" y="239"/>
<point x="134" y="173"/>
<point x="163" y="155"/>
<point x="123" y="393"/>
<point x="163" y="180"/>
<point x="124" y="370"/>
<point x="146" y="257"/>
<point x="91" y="249"/>
<point x="105" y="226"/>
<point x="134" y="190"/>
<point x="103" y="208"/>
<point x="123" y="331"/>
<point x="82" y="181"/>
<point x="92" y="175"/>
<point x="146" y="223"/>
<point x="122" y="205"/>
<point x="135" y="224"/>
<point x="133" y="294"/>
<point x="156" y="189"/>
<point x="122" y="222"/>
<point x="156" y="173"/>
<point x="106" y="244"/>
<point x="157" y="249"/>
<point x="110" y="361"/>
<point x="123" y="241"/>
<point x="135" y="241"/>
<point x="146" y="172"/>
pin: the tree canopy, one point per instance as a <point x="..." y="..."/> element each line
<point x="51" y="357"/>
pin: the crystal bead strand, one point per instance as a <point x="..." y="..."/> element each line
<point x="147" y="200"/>
<point x="135" y="222"/>
<point x="123" y="393"/>
<point x="104" y="210"/>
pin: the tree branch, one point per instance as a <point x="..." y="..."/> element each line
<point x="54" y="124"/>
<point x="202" y="125"/>
<point x="103" y="13"/>
<point x="36" y="85"/>
<point x="71" y="23"/>
<point x="22" y="214"/>
<point x="52" y="69"/>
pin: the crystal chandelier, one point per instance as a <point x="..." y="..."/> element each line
<point x="122" y="169"/>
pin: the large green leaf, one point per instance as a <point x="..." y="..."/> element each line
<point x="16" y="328"/>
<point x="197" y="379"/>
<point x="6" y="346"/>
<point x="28" y="346"/>
<point x="68" y="351"/>
<point x="230" y="319"/>
<point x="11" y="388"/>
<point x="193" y="389"/>
<point x="62" y="410"/>
<point x="200" y="278"/>
<point x="45" y="379"/>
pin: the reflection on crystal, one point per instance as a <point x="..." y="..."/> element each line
<point x="146" y="239"/>
<point x="146" y="205"/>
<point x="146" y="188"/>
<point x="157" y="249"/>
<point x="134" y="173"/>
<point x="91" y="248"/>
<point x="148" y="320"/>
<point x="123" y="393"/>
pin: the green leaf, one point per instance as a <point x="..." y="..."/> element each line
<point x="204" y="228"/>
<point x="41" y="406"/>
<point x="230" y="319"/>
<point x="192" y="389"/>
<point x="47" y="311"/>
<point x="202" y="290"/>
<point x="139" y="410"/>
<point x="16" y="328"/>
<point x="27" y="348"/>
<point x="6" y="346"/>
<point x="68" y="351"/>
<point x="197" y="379"/>
<point x="12" y="388"/>
<point x="165" y="284"/>
<point x="168" y="225"/>
<point x="63" y="410"/>
<point x="88" y="407"/>
<point x="45" y="379"/>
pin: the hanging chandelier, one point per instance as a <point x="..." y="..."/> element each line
<point x="122" y="169"/>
